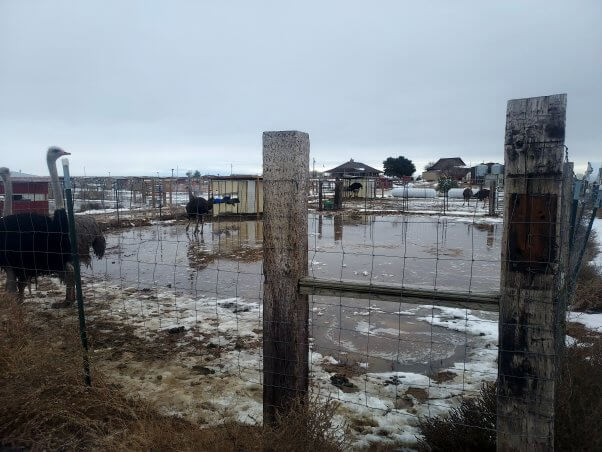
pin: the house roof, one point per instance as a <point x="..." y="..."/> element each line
<point x="446" y="163"/>
<point x="353" y="167"/>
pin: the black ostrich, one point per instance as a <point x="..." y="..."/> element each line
<point x="196" y="208"/>
<point x="467" y="194"/>
<point x="354" y="187"/>
<point x="33" y="244"/>
<point x="482" y="195"/>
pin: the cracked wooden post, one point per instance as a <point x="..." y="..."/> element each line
<point x="285" y="311"/>
<point x="320" y="195"/>
<point x="533" y="272"/>
<point x="492" y="198"/>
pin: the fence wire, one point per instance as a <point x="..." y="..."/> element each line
<point x="176" y="316"/>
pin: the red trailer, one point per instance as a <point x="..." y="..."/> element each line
<point x="30" y="193"/>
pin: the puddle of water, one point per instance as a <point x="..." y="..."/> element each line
<point x="413" y="250"/>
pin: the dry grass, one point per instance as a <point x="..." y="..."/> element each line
<point x="45" y="405"/>
<point x="471" y="426"/>
<point x="588" y="289"/>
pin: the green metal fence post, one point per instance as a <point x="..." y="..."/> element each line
<point x="77" y="273"/>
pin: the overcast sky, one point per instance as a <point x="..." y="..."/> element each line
<point x="136" y="87"/>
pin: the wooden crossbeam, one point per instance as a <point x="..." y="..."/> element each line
<point x="396" y="292"/>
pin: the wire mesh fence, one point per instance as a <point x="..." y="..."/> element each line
<point x="177" y="315"/>
<point x="400" y="305"/>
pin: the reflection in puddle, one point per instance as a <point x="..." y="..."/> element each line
<point x="424" y="251"/>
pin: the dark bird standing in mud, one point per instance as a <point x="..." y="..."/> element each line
<point x="196" y="207"/>
<point x="354" y="187"/>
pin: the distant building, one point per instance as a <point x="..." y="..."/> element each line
<point x="30" y="193"/>
<point x="485" y="173"/>
<point x="453" y="167"/>
<point x="236" y="194"/>
<point x="353" y="169"/>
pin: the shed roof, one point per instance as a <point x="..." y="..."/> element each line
<point x="355" y="167"/>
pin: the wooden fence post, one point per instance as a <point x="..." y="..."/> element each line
<point x="320" y="195"/>
<point x="492" y="197"/>
<point x="533" y="272"/>
<point x="285" y="311"/>
<point x="338" y="194"/>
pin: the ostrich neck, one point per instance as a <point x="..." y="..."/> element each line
<point x="8" y="196"/>
<point x="56" y="185"/>
<point x="190" y="193"/>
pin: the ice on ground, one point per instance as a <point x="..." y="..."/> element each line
<point x="464" y="320"/>
<point x="590" y="321"/>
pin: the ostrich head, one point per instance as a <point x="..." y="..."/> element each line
<point x="4" y="173"/>
<point x="54" y="153"/>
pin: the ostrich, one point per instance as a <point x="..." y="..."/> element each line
<point x="355" y="188"/>
<point x="11" y="281"/>
<point x="196" y="208"/>
<point x="88" y="231"/>
<point x="482" y="195"/>
<point x="467" y="194"/>
<point x="34" y="244"/>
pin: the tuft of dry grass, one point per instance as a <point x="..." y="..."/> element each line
<point x="588" y="287"/>
<point x="44" y="403"/>
<point x="588" y="291"/>
<point x="472" y="426"/>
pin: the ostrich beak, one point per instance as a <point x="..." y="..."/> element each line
<point x="65" y="153"/>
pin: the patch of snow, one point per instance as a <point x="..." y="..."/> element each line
<point x="590" y="321"/>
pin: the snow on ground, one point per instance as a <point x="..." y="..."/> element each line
<point x="590" y="321"/>
<point x="201" y="358"/>
<point x="209" y="370"/>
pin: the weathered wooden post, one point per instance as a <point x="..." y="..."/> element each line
<point x="492" y="197"/>
<point x="285" y="311"/>
<point x="338" y="194"/>
<point x="153" y="188"/>
<point x="320" y="195"/>
<point x="533" y="276"/>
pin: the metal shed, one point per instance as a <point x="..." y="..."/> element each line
<point x="237" y="194"/>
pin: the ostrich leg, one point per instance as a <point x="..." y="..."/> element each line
<point x="11" y="281"/>
<point x="70" y="283"/>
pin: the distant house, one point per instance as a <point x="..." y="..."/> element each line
<point x="453" y="167"/>
<point x="353" y="169"/>
<point x="30" y="193"/>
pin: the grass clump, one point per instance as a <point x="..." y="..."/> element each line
<point x="472" y="426"/>
<point x="44" y="404"/>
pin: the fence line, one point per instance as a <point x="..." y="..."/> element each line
<point x="394" y="314"/>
